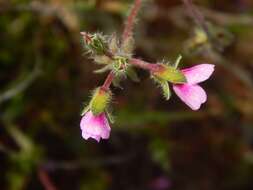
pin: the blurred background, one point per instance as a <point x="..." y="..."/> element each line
<point x="45" y="78"/>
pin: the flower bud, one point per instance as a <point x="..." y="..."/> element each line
<point x="100" y="101"/>
<point x="169" y="73"/>
<point x="95" y="43"/>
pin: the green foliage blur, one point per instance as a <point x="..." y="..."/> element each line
<point x="46" y="78"/>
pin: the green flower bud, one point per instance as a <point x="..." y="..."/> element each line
<point x="100" y="101"/>
<point x="98" y="44"/>
<point x="169" y="73"/>
<point x="95" y="43"/>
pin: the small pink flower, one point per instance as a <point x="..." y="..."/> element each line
<point x="191" y="93"/>
<point x="95" y="127"/>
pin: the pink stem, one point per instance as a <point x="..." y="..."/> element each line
<point x="108" y="81"/>
<point x="136" y="62"/>
<point x="145" y="65"/>
<point x="128" y="30"/>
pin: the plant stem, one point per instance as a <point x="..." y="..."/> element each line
<point x="128" y="30"/>
<point x="108" y="81"/>
<point x="136" y="62"/>
<point x="145" y="65"/>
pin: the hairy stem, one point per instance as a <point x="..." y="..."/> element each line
<point x="108" y="81"/>
<point x="136" y="62"/>
<point x="144" y="65"/>
<point x="128" y="30"/>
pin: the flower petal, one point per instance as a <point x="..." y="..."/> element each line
<point x="198" y="73"/>
<point x="95" y="127"/>
<point x="191" y="95"/>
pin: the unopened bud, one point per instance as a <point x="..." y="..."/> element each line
<point x="95" y="43"/>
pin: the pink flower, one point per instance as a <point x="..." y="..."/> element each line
<point x="95" y="127"/>
<point x="191" y="93"/>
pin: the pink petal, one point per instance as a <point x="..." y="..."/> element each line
<point x="95" y="127"/>
<point x="191" y="95"/>
<point x="198" y="73"/>
<point x="86" y="136"/>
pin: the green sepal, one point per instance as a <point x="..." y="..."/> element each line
<point x="113" y="44"/>
<point x="128" y="45"/>
<point x="102" y="59"/>
<point x="116" y="83"/>
<point x="85" y="110"/>
<point x="104" y="69"/>
<point x="117" y="79"/>
<point x="97" y="44"/>
<point x="110" y="117"/>
<point x="166" y="89"/>
<point x="164" y="86"/>
<point x="100" y="101"/>
<point x="171" y="74"/>
<point x="179" y="58"/>
<point x="131" y="73"/>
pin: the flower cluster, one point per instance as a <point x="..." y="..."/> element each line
<point x="116" y="56"/>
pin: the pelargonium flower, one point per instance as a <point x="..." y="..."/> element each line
<point x="191" y="93"/>
<point x="95" y="126"/>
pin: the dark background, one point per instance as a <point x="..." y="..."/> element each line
<point x="45" y="78"/>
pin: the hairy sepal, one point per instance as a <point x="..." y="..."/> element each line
<point x="171" y="74"/>
<point x="100" y="101"/>
<point x="164" y="85"/>
<point x="131" y="73"/>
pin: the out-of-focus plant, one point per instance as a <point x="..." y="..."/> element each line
<point x="211" y="39"/>
<point x="23" y="161"/>
<point x="116" y="56"/>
